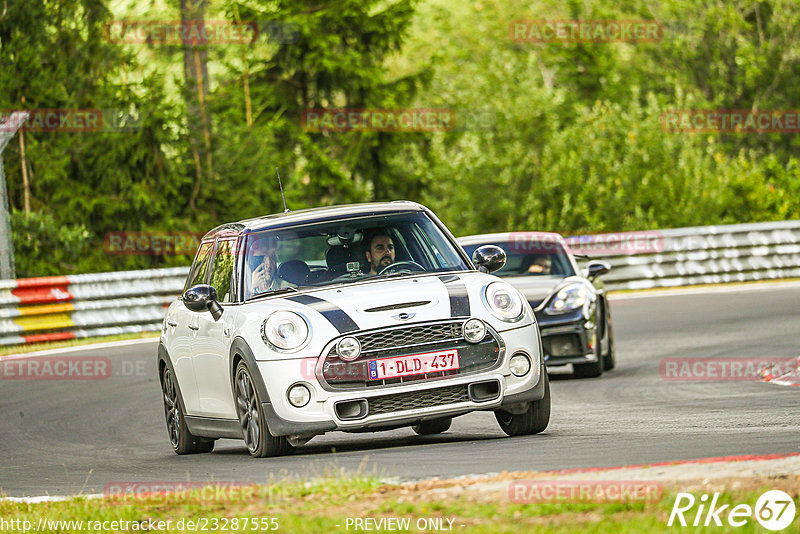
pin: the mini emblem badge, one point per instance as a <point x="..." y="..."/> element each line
<point x="404" y="316"/>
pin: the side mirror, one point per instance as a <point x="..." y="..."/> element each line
<point x="489" y="258"/>
<point x="203" y="297"/>
<point x="596" y="268"/>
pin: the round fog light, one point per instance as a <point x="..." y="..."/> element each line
<point x="299" y="395"/>
<point x="474" y="330"/>
<point x="348" y="348"/>
<point x="520" y="365"/>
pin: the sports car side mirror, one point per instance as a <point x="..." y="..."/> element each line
<point x="489" y="258"/>
<point x="596" y="268"/>
<point x="203" y="297"/>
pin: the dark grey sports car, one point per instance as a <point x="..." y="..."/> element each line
<point x="570" y="304"/>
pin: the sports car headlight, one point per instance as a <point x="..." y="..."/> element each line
<point x="568" y="298"/>
<point x="285" y="330"/>
<point x="503" y="301"/>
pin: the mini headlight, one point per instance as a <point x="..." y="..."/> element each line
<point x="519" y="365"/>
<point x="285" y="330"/>
<point x="299" y="395"/>
<point x="503" y="301"/>
<point x="568" y="298"/>
<point x="474" y="330"/>
<point x="348" y="348"/>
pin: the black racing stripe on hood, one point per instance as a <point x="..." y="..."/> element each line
<point x="335" y="315"/>
<point x="459" y="298"/>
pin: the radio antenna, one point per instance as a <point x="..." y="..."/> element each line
<point x="285" y="209"/>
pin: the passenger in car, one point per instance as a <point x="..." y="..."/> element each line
<point x="539" y="264"/>
<point x="262" y="261"/>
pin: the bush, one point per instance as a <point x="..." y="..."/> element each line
<point x="43" y="247"/>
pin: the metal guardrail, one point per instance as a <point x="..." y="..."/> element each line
<point x="55" y="308"/>
<point x="89" y="305"/>
<point x="711" y="255"/>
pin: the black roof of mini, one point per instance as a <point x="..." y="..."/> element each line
<point x="325" y="213"/>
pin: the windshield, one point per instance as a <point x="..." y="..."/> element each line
<point x="549" y="260"/>
<point x="345" y="252"/>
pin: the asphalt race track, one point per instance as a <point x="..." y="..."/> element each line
<point x="68" y="437"/>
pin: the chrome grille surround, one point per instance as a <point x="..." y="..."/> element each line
<point x="410" y="335"/>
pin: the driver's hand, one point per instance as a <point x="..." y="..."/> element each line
<point x="260" y="278"/>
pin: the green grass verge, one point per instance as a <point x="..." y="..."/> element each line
<point x="324" y="505"/>
<point x="33" y="347"/>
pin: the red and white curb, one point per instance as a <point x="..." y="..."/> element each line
<point x="740" y="466"/>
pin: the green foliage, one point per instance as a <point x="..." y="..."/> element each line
<point x="44" y="247"/>
<point x="557" y="136"/>
<point x="575" y="144"/>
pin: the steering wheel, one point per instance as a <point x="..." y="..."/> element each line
<point x="393" y="267"/>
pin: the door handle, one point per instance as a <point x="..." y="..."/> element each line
<point x="172" y="323"/>
<point x="226" y="331"/>
<point x="194" y="327"/>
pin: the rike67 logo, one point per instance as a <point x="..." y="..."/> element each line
<point x="774" y="510"/>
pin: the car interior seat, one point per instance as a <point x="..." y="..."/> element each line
<point x="295" y="272"/>
<point x="337" y="259"/>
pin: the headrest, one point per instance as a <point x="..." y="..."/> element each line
<point x="337" y="258"/>
<point x="294" y="271"/>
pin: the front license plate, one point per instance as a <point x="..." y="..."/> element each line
<point x="414" y="364"/>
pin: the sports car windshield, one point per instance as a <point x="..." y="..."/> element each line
<point x="548" y="259"/>
<point x="346" y="251"/>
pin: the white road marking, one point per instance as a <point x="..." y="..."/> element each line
<point x="87" y="347"/>
<point x="722" y="288"/>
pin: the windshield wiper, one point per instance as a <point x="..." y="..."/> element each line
<point x="274" y="292"/>
<point x="396" y="273"/>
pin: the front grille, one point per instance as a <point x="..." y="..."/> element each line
<point x="413" y="335"/>
<point x="417" y="399"/>
<point x="403" y="341"/>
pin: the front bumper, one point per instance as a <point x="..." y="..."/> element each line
<point x="377" y="408"/>
<point x="567" y="338"/>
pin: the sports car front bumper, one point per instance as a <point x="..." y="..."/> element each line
<point x="567" y="338"/>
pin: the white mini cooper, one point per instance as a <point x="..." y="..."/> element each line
<point x="352" y="318"/>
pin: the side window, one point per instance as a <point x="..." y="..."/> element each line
<point x="198" y="273"/>
<point x="222" y="270"/>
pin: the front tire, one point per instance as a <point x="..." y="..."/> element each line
<point x="533" y="421"/>
<point x="255" y="432"/>
<point x="436" y="426"/>
<point x="182" y="441"/>
<point x="609" y="360"/>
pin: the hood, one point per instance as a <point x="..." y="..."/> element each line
<point x="339" y="310"/>
<point x="380" y="303"/>
<point x="535" y="288"/>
